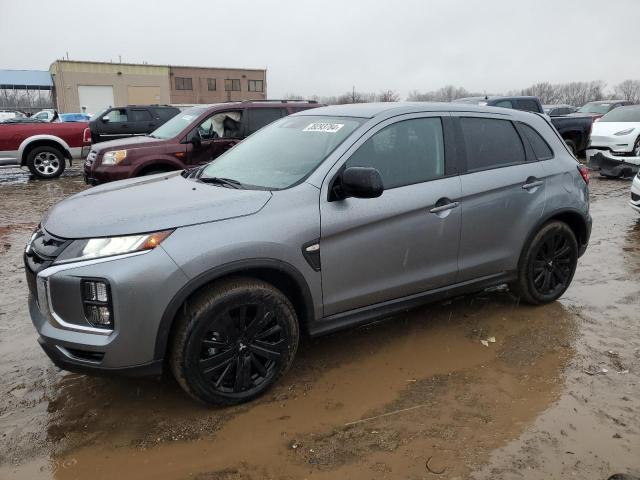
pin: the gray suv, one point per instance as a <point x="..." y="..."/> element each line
<point x="325" y="219"/>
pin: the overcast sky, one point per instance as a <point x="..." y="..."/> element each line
<point x="325" y="47"/>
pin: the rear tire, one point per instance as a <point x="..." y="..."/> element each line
<point x="220" y="355"/>
<point x="46" y="162"/>
<point x="547" y="264"/>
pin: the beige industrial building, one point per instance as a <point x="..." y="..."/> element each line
<point x="93" y="86"/>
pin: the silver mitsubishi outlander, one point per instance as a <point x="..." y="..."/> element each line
<point x="322" y="220"/>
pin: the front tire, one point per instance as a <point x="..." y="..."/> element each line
<point x="46" y="162"/>
<point x="547" y="265"/>
<point x="233" y="342"/>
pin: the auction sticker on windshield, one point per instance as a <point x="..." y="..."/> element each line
<point x="323" y="127"/>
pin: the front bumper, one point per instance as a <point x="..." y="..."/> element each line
<point x="141" y="287"/>
<point x="635" y="194"/>
<point x="613" y="165"/>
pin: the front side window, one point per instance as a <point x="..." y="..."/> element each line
<point x="491" y="143"/>
<point x="256" y="86"/>
<point x="117" y="116"/>
<point x="260" y="117"/>
<point x="220" y="125"/>
<point x="184" y="83"/>
<point x="232" y="84"/>
<point x="407" y="152"/>
<point x="283" y="153"/>
<point x="541" y="148"/>
<point x="211" y="84"/>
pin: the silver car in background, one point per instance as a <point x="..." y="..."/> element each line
<point x="325" y="219"/>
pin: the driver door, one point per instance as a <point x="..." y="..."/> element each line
<point x="214" y="136"/>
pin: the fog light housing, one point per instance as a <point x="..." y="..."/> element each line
<point x="96" y="299"/>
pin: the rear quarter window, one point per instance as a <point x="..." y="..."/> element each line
<point x="541" y="148"/>
<point x="491" y="143"/>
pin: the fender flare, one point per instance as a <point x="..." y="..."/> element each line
<point x="34" y="138"/>
<point x="236" y="267"/>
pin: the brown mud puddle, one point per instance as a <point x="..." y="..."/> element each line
<point x="417" y="396"/>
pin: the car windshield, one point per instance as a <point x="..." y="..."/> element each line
<point x="600" y="108"/>
<point x="178" y="123"/>
<point x="622" y="114"/>
<point x="283" y="153"/>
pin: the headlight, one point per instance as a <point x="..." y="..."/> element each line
<point x="105" y="247"/>
<point x="114" y="157"/>
<point x="624" y="132"/>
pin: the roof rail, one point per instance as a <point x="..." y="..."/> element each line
<point x="279" y="101"/>
<point x="149" y="105"/>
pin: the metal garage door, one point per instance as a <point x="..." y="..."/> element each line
<point x="95" y="97"/>
<point x="144" y="95"/>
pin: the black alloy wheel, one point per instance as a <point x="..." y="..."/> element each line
<point x="551" y="269"/>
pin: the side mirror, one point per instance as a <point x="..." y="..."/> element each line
<point x="105" y="119"/>
<point x="361" y="182"/>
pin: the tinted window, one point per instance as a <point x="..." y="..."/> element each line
<point x="404" y="153"/>
<point x="166" y="113"/>
<point x="140" y="116"/>
<point x="540" y="148"/>
<point x="491" y="143"/>
<point x="527" y="105"/>
<point x="259" y="117"/>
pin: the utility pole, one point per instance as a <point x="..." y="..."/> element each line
<point x="353" y="94"/>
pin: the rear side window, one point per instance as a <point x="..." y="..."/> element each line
<point x="491" y="143"/>
<point x="527" y="105"/>
<point x="140" y="116"/>
<point x="407" y="152"/>
<point x="260" y="117"/>
<point x="541" y="148"/>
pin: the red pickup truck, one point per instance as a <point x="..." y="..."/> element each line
<point x="43" y="147"/>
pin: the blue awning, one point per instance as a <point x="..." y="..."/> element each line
<point x="25" y="78"/>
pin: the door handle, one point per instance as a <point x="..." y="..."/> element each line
<point x="443" y="208"/>
<point x="532" y="184"/>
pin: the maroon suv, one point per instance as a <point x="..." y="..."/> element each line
<point x="191" y="138"/>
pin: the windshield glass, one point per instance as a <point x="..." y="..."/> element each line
<point x="178" y="123"/>
<point x="600" y="108"/>
<point x="283" y="153"/>
<point x="622" y="114"/>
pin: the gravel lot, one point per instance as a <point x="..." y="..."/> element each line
<point x="416" y="396"/>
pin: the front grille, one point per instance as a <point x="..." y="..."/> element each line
<point x="635" y="197"/>
<point x="40" y="253"/>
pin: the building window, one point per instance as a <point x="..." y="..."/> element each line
<point x="232" y="85"/>
<point x="211" y="84"/>
<point x="183" y="83"/>
<point x="256" y="86"/>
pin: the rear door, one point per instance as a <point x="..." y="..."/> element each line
<point x="503" y="194"/>
<point x="142" y="121"/>
<point x="404" y="242"/>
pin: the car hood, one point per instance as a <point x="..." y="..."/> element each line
<point x="124" y="143"/>
<point x="148" y="204"/>
<point x="609" y="128"/>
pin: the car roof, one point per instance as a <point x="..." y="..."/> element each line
<point x="607" y="101"/>
<point x="389" y="109"/>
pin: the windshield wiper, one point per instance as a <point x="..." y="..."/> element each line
<point x="227" y="182"/>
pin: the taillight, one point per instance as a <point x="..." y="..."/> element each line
<point x="86" y="135"/>
<point x="584" y="172"/>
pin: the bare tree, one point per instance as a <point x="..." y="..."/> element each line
<point x="388" y="96"/>
<point x="628" y="90"/>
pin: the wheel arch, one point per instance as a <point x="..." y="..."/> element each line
<point x="575" y="219"/>
<point x="152" y="164"/>
<point x="35" y="141"/>
<point x="280" y="274"/>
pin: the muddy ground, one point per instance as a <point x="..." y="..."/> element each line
<point x="417" y="396"/>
